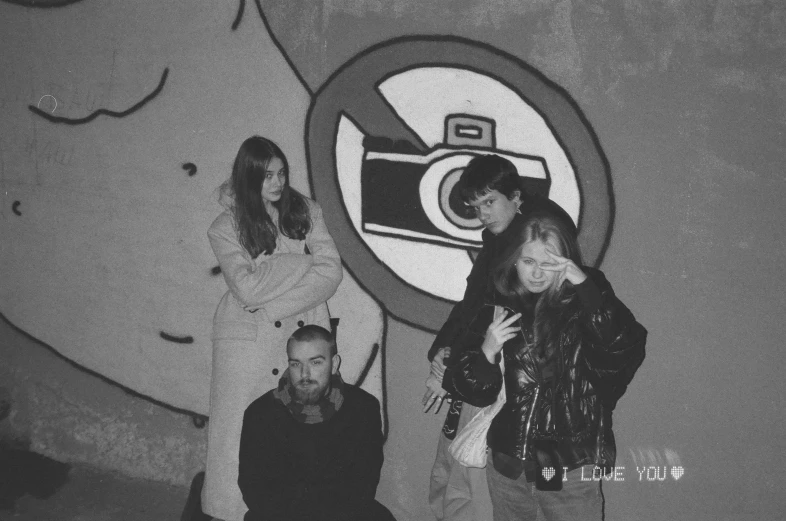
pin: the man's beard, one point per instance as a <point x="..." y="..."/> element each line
<point x="309" y="394"/>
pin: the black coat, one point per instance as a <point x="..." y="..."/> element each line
<point x="567" y="402"/>
<point x="479" y="284"/>
<point x="325" y="471"/>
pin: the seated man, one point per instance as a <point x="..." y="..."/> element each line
<point x="312" y="447"/>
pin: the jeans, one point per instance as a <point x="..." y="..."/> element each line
<point x="458" y="493"/>
<point x="517" y="500"/>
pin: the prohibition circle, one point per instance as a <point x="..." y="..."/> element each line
<point x="351" y="92"/>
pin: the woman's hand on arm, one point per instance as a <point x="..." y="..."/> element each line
<point x="254" y="282"/>
<point x="322" y="278"/>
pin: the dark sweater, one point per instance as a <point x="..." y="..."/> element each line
<point x="326" y="471"/>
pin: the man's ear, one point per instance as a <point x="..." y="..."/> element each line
<point x="516" y="198"/>
<point x="336" y="363"/>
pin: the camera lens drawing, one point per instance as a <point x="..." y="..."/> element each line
<point x="388" y="137"/>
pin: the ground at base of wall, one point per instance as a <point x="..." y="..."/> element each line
<point x="89" y="494"/>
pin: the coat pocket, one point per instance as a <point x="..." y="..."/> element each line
<point x="235" y="330"/>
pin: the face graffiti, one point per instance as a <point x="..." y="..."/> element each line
<point x="495" y="210"/>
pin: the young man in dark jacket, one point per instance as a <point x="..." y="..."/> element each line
<point x="311" y="449"/>
<point x="492" y="186"/>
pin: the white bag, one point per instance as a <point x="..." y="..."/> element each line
<point x="469" y="446"/>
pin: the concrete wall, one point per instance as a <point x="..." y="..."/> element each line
<point x="62" y="411"/>
<point x="688" y="101"/>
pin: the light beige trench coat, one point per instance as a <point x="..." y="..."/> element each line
<point x="268" y="299"/>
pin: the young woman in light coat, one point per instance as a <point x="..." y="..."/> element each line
<point x="281" y="265"/>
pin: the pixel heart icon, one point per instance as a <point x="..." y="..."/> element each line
<point x="677" y="472"/>
<point x="548" y="473"/>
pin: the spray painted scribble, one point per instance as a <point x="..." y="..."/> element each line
<point x="15" y="208"/>
<point x="50" y="151"/>
<point x="185" y="339"/>
<point x="111" y="113"/>
<point x="45" y="96"/>
<point x="190" y="168"/>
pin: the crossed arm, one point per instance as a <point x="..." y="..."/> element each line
<point x="283" y="284"/>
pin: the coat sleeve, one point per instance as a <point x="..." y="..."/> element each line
<point x="257" y="469"/>
<point x="472" y="378"/>
<point x="320" y="281"/>
<point x="254" y="281"/>
<point x="612" y="340"/>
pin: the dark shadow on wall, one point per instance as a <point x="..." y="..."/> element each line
<point x="23" y="472"/>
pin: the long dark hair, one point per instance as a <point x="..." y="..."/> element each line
<point x="553" y="303"/>
<point x="256" y="231"/>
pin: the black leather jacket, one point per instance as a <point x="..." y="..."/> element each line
<point x="569" y="401"/>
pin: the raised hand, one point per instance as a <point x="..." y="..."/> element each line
<point x="565" y="268"/>
<point x="501" y="329"/>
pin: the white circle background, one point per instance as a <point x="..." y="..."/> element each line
<point x="422" y="98"/>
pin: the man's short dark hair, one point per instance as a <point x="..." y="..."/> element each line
<point x="311" y="332"/>
<point x="486" y="173"/>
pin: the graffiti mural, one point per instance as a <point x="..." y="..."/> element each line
<point x="398" y="123"/>
<point x="104" y="215"/>
<point x="106" y="120"/>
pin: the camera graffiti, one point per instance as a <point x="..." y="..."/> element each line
<point x="389" y="135"/>
<point x="426" y="185"/>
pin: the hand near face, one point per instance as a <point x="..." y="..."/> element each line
<point x="565" y="268"/>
